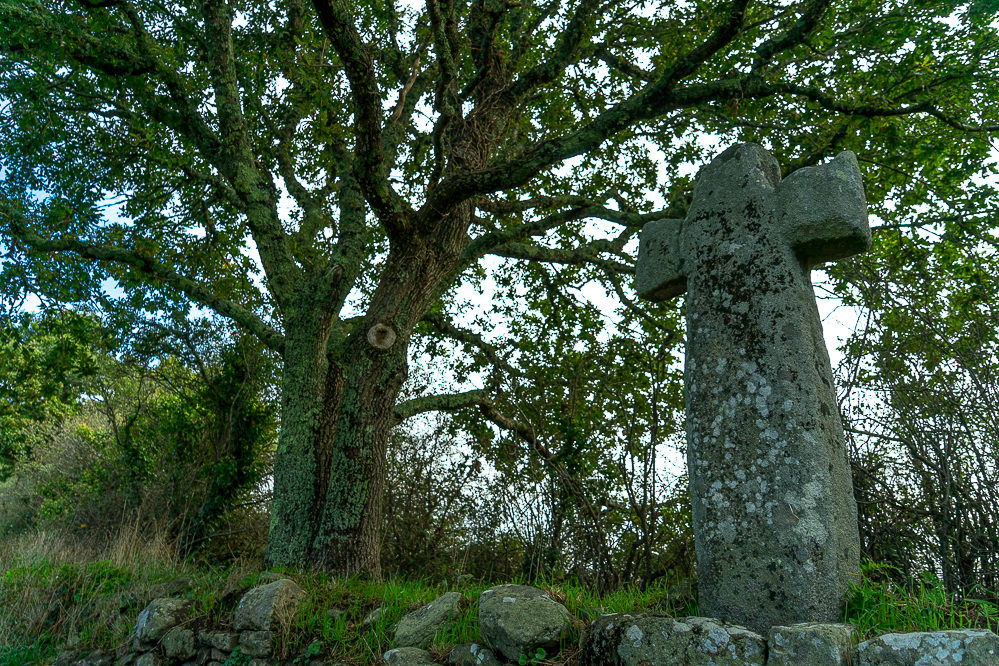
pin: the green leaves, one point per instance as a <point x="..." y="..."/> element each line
<point x="45" y="361"/>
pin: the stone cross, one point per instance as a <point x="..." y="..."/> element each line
<point x="775" y="521"/>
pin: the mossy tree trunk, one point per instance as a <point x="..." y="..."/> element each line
<point x="340" y="387"/>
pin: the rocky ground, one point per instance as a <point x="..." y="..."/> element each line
<point x="524" y="625"/>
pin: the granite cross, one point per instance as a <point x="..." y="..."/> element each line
<point x="775" y="521"/>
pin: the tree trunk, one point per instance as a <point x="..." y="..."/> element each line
<point x="337" y="409"/>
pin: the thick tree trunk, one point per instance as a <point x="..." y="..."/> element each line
<point x="337" y="409"/>
<point x="304" y="403"/>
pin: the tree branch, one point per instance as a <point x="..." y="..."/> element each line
<point x="655" y="100"/>
<point x="566" y="47"/>
<point x="469" y="339"/>
<point x="242" y="168"/>
<point x="446" y="95"/>
<point x="369" y="154"/>
<point x="579" y="256"/>
<point x="723" y="34"/>
<point x="796" y="34"/>
<point x="145" y="264"/>
<point x="447" y="402"/>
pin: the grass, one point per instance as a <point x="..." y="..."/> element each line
<point x="879" y="606"/>
<point x="51" y="597"/>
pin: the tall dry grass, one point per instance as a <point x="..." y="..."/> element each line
<point x="58" y="591"/>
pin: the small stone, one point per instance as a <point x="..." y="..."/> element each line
<point x="267" y="606"/>
<point x="726" y="643"/>
<point x="409" y="656"/>
<point x="178" y="643"/>
<point x="220" y="640"/>
<point x="336" y="613"/>
<point x="811" y="643"/>
<point x="517" y="619"/>
<point x="218" y="655"/>
<point x="159" y="617"/>
<point x="256" y="643"/>
<point x="417" y="629"/>
<point x="261" y="662"/>
<point x="623" y="639"/>
<point x="372" y="617"/>
<point x="472" y="654"/>
<point x="967" y="647"/>
<point x="148" y="659"/>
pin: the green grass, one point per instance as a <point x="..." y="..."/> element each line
<point x="46" y="605"/>
<point x="879" y="606"/>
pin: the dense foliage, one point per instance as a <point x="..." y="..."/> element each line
<point x="98" y="441"/>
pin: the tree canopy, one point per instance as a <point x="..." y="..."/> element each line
<point x="329" y="176"/>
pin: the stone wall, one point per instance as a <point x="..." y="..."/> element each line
<point x="521" y="624"/>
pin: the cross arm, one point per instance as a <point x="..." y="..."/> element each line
<point x="823" y="211"/>
<point x="659" y="272"/>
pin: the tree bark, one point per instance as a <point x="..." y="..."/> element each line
<point x="338" y="406"/>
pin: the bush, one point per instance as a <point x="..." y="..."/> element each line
<point x="176" y="451"/>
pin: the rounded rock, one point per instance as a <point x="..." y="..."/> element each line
<point x="517" y="619"/>
<point x="417" y="629"/>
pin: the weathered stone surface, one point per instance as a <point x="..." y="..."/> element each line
<point x="775" y="524"/>
<point x="178" y="643"/>
<point x="371" y="617"/>
<point x="417" y="629"/>
<point x="623" y="639"/>
<point x="256" y="643"/>
<point x="159" y="617"/>
<point x="148" y="659"/>
<point x="967" y="647"/>
<point x="220" y="640"/>
<point x="472" y="654"/>
<point x="409" y="656"/>
<point x="659" y="273"/>
<point x="266" y="607"/>
<point x="517" y="619"/>
<point x="811" y="643"/>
